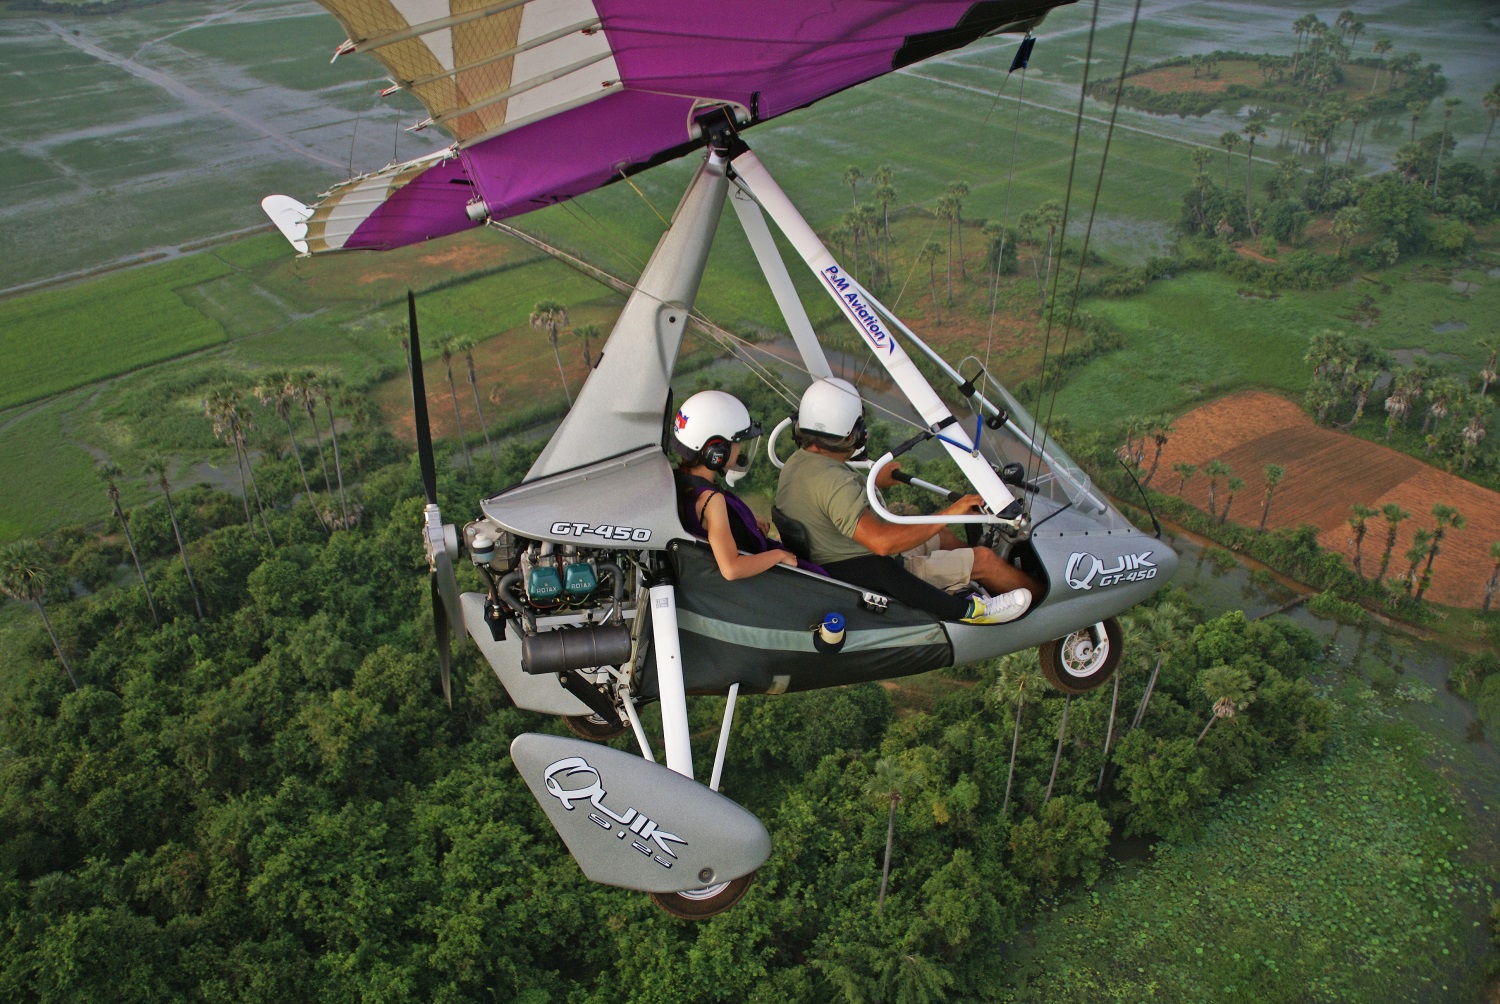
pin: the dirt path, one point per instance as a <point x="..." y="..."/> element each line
<point x="1327" y="473"/>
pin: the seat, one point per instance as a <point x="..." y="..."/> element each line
<point x="793" y="534"/>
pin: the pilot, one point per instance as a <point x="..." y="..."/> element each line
<point x="907" y="562"/>
<point x="711" y="433"/>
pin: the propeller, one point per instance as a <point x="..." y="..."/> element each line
<point x="439" y="539"/>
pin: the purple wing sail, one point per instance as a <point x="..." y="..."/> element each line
<point x="549" y="99"/>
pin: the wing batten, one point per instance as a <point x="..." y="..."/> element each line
<point x="549" y="99"/>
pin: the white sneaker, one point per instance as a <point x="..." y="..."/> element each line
<point x="998" y="609"/>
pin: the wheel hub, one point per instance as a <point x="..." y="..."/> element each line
<point x="1082" y="654"/>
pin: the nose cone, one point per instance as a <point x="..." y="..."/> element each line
<point x="1166" y="563"/>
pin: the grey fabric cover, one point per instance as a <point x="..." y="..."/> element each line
<point x="754" y="630"/>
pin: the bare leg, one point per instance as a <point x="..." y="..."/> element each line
<point x="998" y="576"/>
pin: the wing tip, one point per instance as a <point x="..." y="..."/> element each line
<point x="290" y="217"/>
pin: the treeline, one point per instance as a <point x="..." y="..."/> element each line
<point x="273" y="803"/>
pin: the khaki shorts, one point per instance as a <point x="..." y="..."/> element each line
<point x="948" y="570"/>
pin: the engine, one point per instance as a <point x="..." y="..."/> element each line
<point x="568" y="600"/>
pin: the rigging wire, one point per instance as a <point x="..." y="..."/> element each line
<point x="1050" y="308"/>
<point x="1094" y="206"/>
<point x="1010" y="177"/>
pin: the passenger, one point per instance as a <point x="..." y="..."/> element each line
<point x="709" y="433"/>
<point x="907" y="562"/>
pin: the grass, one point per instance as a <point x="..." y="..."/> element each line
<point x="1194" y="338"/>
<point x="64" y="338"/>
<point x="1189" y="340"/>
<point x="1331" y="881"/>
<point x="49" y="480"/>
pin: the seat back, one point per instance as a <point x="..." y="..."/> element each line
<point x="793" y="534"/>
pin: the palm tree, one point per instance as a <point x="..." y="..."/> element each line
<point x="948" y="209"/>
<point x="24" y="571"/>
<point x="852" y="177"/>
<point x="448" y="346"/>
<point x="1491" y="102"/>
<point x="1474" y="432"/>
<point x="1415" y="110"/>
<point x="222" y="406"/>
<point x="215" y="409"/>
<point x="158" y="466"/>
<point x="1233" y="485"/>
<point x="276" y="391"/>
<point x="1215" y="470"/>
<point x="1346" y="225"/>
<point x="551" y="315"/>
<point x="957" y="190"/>
<point x="466" y="346"/>
<point x="588" y="332"/>
<point x="1018" y="682"/>
<point x="1028" y="224"/>
<point x="1274" y="474"/>
<point x="1162" y="629"/>
<point x="1446" y="517"/>
<point x="1231" y="691"/>
<point x="885" y="194"/>
<point x="930" y="253"/>
<point x="1487" y="373"/>
<point x="1161" y="431"/>
<point x="327" y="388"/>
<point x="1393" y="514"/>
<point x="1109" y="734"/>
<point x="1228" y="141"/>
<point x="305" y="388"/>
<point x="887" y="784"/>
<point x="1437" y="169"/>
<point x="1049" y="215"/>
<point x="1185" y="472"/>
<point x="1301" y="27"/>
<point x="1062" y="731"/>
<point x="1381" y="47"/>
<point x="108" y="472"/>
<point x="1494" y="584"/>
<point x="1441" y="396"/>
<point x="1253" y="130"/>
<point x="1421" y="541"/>
<point x="1360" y="524"/>
<point x="1200" y="157"/>
<point x="402" y="334"/>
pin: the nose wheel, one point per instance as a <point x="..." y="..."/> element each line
<point x="700" y="904"/>
<point x="1085" y="659"/>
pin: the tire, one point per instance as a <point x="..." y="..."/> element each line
<point x="1083" y="660"/>
<point x="700" y="904"/>
<point x="592" y="727"/>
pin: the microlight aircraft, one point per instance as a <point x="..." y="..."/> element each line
<point x="596" y="601"/>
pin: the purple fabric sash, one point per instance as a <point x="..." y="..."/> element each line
<point x="742" y="523"/>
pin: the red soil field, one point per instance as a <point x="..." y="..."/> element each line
<point x="1173" y="79"/>
<point x="1327" y="473"/>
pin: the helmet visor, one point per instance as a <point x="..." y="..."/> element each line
<point x="748" y="440"/>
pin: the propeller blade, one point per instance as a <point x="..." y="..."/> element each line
<point x="445" y="581"/>
<point x="419" y="404"/>
<point x="445" y="655"/>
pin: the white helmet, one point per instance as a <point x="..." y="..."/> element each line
<point x="707" y="425"/>
<point x="831" y="409"/>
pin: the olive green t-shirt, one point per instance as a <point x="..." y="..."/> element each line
<point x="828" y="499"/>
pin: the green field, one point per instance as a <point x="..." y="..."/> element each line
<point x="1191" y="339"/>
<point x="1335" y="881"/>
<point x="60" y="339"/>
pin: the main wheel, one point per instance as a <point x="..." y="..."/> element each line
<point x="592" y="727"/>
<point x="1084" y="659"/>
<point x="700" y="904"/>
